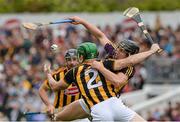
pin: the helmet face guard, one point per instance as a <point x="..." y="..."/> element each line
<point x="88" y="50"/>
<point x="70" y="54"/>
<point x="128" y="46"/>
<point x="71" y="58"/>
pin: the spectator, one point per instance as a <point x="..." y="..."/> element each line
<point x="139" y="78"/>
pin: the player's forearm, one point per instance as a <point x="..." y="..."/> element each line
<point x="96" y="32"/>
<point x="111" y="77"/>
<point x="53" y="84"/>
<point x="132" y="60"/>
<point x="44" y="96"/>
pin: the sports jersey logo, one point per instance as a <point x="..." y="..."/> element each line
<point x="71" y="91"/>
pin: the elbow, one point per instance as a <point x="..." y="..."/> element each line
<point x="119" y="82"/>
<point x="53" y="86"/>
<point x="116" y="84"/>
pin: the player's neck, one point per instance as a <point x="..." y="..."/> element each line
<point x="89" y="60"/>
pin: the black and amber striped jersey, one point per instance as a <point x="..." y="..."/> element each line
<point x="128" y="71"/>
<point x="92" y="84"/>
<point x="63" y="97"/>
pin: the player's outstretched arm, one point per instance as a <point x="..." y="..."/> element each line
<point x="116" y="79"/>
<point x="135" y="59"/>
<point x="53" y="84"/>
<point x="93" y="29"/>
<point x="44" y="97"/>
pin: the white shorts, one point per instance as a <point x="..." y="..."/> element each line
<point x="111" y="110"/>
<point x="84" y="106"/>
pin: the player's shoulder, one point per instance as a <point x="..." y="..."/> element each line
<point x="60" y="69"/>
<point x="81" y="67"/>
<point x="72" y="70"/>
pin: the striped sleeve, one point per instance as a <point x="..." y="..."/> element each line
<point x="129" y="71"/>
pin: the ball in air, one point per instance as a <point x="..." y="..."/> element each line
<point x="54" y="47"/>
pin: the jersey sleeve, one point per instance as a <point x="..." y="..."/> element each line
<point x="69" y="76"/>
<point x="129" y="71"/>
<point x="109" y="64"/>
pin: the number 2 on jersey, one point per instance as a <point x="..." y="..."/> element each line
<point x="92" y="82"/>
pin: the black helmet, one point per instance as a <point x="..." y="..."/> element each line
<point x="129" y="46"/>
<point x="70" y="53"/>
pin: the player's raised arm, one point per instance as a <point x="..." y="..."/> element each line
<point x="93" y="29"/>
<point x="135" y="59"/>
